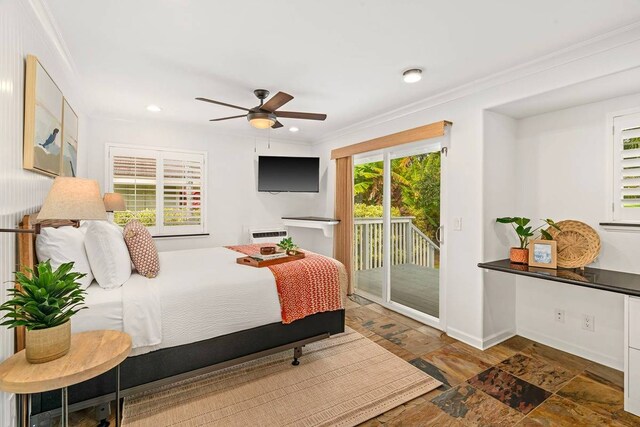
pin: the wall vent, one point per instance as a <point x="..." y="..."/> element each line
<point x="268" y="235"/>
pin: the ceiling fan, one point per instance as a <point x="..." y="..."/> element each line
<point x="265" y="115"/>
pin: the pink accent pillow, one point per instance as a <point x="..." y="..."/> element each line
<point x="142" y="249"/>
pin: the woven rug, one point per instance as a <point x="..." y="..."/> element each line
<point x="341" y="381"/>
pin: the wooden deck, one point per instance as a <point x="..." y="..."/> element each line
<point x="411" y="285"/>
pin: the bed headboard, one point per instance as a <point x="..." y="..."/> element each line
<point x="27" y="255"/>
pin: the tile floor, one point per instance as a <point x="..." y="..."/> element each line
<point x="518" y="382"/>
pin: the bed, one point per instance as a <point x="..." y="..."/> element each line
<point x="203" y="312"/>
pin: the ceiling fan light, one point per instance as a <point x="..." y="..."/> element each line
<point x="261" y="120"/>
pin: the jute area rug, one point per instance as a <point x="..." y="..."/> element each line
<point x="341" y="381"/>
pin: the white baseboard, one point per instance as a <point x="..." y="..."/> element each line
<point x="497" y="338"/>
<point x="577" y="350"/>
<point x="464" y="337"/>
<point x="480" y="344"/>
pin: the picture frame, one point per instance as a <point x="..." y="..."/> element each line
<point x="543" y="253"/>
<point x="69" y="157"/>
<point x="46" y="114"/>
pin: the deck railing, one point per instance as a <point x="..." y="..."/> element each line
<point x="408" y="244"/>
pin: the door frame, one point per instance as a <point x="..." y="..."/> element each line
<point x="385" y="301"/>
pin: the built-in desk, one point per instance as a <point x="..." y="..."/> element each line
<point x="596" y="278"/>
<point x="604" y="280"/>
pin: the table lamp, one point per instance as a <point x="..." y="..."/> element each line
<point x="113" y="202"/>
<point x="70" y="199"/>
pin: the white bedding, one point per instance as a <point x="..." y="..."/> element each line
<point x="203" y="293"/>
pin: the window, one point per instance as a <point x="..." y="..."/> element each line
<point x="626" y="167"/>
<point x="163" y="189"/>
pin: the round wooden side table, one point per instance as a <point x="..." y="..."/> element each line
<point x="91" y="354"/>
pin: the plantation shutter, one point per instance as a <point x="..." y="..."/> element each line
<point x="182" y="192"/>
<point x="626" y="203"/>
<point x="163" y="189"/>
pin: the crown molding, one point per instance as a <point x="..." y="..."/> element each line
<point x="47" y="21"/>
<point x="579" y="51"/>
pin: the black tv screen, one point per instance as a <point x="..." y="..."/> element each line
<point x="288" y="174"/>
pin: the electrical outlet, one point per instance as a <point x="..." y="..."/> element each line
<point x="559" y="315"/>
<point x="457" y="223"/>
<point x="589" y="322"/>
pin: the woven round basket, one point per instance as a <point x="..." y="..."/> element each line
<point x="578" y="244"/>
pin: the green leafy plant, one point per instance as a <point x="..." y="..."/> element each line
<point x="47" y="299"/>
<point x="361" y="210"/>
<point x="287" y="245"/>
<point x="524" y="231"/>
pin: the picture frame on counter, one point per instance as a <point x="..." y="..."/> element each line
<point x="543" y="253"/>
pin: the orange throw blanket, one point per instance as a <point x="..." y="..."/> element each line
<point x="306" y="286"/>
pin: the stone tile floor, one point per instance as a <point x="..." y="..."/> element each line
<point x="519" y="382"/>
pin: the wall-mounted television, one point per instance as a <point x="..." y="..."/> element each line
<point x="288" y="174"/>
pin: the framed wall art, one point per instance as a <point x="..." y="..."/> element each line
<point x="69" y="158"/>
<point x="50" y="125"/>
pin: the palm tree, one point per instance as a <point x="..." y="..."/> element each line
<point x="368" y="182"/>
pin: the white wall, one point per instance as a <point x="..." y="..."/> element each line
<point x="465" y="163"/>
<point x="233" y="202"/>
<point x="499" y="193"/>
<point x="566" y="176"/>
<point x="21" y="191"/>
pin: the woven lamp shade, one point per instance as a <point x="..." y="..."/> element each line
<point x="73" y="199"/>
<point x="113" y="202"/>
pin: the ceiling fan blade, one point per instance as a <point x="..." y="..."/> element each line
<point x="298" y="115"/>
<point x="222" y="103"/>
<point x="227" y="118"/>
<point x="277" y="101"/>
<point x="276" y="125"/>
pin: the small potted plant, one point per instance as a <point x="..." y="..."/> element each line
<point x="288" y="246"/>
<point x="520" y="255"/>
<point x="44" y="304"/>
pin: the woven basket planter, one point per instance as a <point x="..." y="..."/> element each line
<point x="45" y="345"/>
<point x="519" y="255"/>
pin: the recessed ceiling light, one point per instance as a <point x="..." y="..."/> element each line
<point x="413" y="75"/>
<point x="293" y="129"/>
<point x="154" y="108"/>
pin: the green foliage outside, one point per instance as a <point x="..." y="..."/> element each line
<point x="147" y="217"/>
<point x="362" y="210"/>
<point x="415" y="190"/>
<point x="46" y="299"/>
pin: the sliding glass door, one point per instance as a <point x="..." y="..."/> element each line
<point x="397" y="210"/>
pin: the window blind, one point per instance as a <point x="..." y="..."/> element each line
<point x="162" y="189"/>
<point x="629" y="179"/>
<point x="182" y="191"/>
<point x="135" y="178"/>
<point x="626" y="168"/>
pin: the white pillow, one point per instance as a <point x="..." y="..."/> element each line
<point x="65" y="244"/>
<point x="107" y="253"/>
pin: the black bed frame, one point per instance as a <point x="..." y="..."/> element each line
<point x="160" y="367"/>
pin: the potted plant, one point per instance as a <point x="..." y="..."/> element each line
<point x="44" y="304"/>
<point x="288" y="246"/>
<point x="520" y="255"/>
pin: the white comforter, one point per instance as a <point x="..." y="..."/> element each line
<point x="199" y="294"/>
